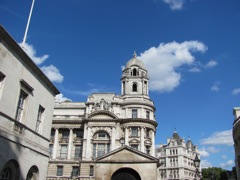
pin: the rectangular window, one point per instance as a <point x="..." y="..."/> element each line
<point x="59" y="170"/>
<point x="78" y="151"/>
<point x="39" y="119"/>
<point x="134" y="113"/>
<point x="134" y="146"/>
<point x="52" y="134"/>
<point x="79" y="133"/>
<point x="91" y="171"/>
<point x="100" y="150"/>
<point x="75" y="171"/>
<point x="21" y="103"/>
<point x="63" y="151"/>
<point x="134" y="131"/>
<point x="65" y="134"/>
<point x="50" y="150"/>
<point x="147" y="115"/>
<point x="102" y="135"/>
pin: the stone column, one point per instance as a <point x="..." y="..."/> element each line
<point x="55" y="145"/>
<point x="88" y="144"/>
<point x="126" y="136"/>
<point x="153" y="143"/>
<point x="84" y="144"/>
<point x="70" y="142"/>
<point x="113" y="138"/>
<point x="142" y="140"/>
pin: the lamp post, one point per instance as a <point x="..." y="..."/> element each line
<point x="196" y="162"/>
<point x="122" y="141"/>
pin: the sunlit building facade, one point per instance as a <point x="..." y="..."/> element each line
<point x="176" y="159"/>
<point x="236" y="139"/>
<point x="108" y="136"/>
<point x="26" y="109"/>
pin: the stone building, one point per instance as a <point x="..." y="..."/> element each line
<point x="26" y="109"/>
<point x="109" y="136"/>
<point x="176" y="159"/>
<point x="236" y="139"/>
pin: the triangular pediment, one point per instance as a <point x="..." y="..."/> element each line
<point x="102" y="114"/>
<point x="126" y="154"/>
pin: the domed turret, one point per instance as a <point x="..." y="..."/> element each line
<point x="134" y="78"/>
<point x="135" y="62"/>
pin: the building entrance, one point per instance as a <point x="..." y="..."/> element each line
<point x="125" y="173"/>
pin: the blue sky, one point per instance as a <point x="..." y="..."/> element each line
<point x="190" y="47"/>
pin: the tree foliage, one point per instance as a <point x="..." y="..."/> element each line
<point x="214" y="173"/>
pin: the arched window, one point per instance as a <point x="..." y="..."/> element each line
<point x="134" y="87"/>
<point x="134" y="72"/>
<point x="10" y="171"/>
<point x="101" y="143"/>
<point x="32" y="173"/>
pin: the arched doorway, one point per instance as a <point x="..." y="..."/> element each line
<point x="126" y="173"/>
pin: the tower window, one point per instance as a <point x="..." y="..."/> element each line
<point x="134" y="113"/>
<point x="147" y="115"/>
<point x="134" y="87"/>
<point x="134" y="72"/>
<point x="134" y="131"/>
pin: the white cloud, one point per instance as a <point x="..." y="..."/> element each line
<point x="52" y="73"/>
<point x="227" y="164"/>
<point x="163" y="61"/>
<point x="205" y="164"/>
<point x="211" y="64"/>
<point x="175" y="4"/>
<point x="215" y="87"/>
<point x="195" y="69"/>
<point x="60" y="98"/>
<point x="213" y="149"/>
<point x="219" y="138"/>
<point x="31" y="52"/>
<point x="203" y="152"/>
<point x="236" y="91"/>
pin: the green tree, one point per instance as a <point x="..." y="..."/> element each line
<point x="214" y="173"/>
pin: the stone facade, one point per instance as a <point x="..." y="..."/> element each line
<point x="176" y="159"/>
<point x="26" y="109"/>
<point x="236" y="139"/>
<point x="109" y="135"/>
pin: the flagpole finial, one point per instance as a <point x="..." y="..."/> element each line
<point x="134" y="54"/>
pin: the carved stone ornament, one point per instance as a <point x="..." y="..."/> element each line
<point x="102" y="105"/>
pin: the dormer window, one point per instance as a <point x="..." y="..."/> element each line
<point x="134" y="87"/>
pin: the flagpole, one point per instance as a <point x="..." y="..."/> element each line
<point x="29" y="18"/>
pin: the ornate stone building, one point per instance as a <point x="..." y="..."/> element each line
<point x="109" y="136"/>
<point x="236" y="139"/>
<point x="26" y="109"/>
<point x="176" y="159"/>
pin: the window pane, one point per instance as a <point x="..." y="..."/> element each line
<point x="79" y="133"/>
<point x="20" y="107"/>
<point x="134" y="113"/>
<point x="59" y="170"/>
<point x="78" y="151"/>
<point x="134" y="131"/>
<point x="39" y="118"/>
<point x="75" y="171"/>
<point x="134" y="146"/>
<point x="63" y="151"/>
